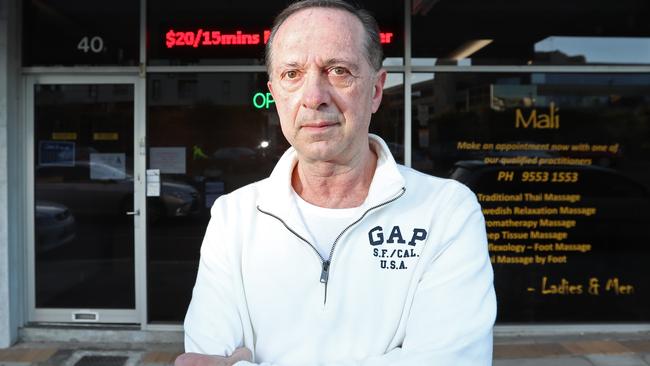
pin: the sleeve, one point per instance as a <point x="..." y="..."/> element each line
<point x="454" y="307"/>
<point x="213" y="323"/>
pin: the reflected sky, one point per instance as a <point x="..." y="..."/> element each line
<point x="393" y="79"/>
<point x="600" y="49"/>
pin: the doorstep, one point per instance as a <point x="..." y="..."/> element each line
<point x="113" y="334"/>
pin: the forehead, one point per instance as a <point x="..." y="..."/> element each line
<point x="316" y="33"/>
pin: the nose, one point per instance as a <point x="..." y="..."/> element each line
<point x="315" y="93"/>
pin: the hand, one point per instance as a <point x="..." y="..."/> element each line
<point x="197" y="359"/>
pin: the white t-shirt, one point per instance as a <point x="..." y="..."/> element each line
<point x="324" y="224"/>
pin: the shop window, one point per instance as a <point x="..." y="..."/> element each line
<point x="475" y="32"/>
<point x="187" y="89"/>
<point x="83" y="187"/>
<point x="560" y="165"/>
<point x="69" y="33"/>
<point x="155" y="90"/>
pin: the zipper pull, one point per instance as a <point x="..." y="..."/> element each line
<point x="324" y="275"/>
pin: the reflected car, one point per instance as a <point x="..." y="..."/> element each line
<point x="235" y="159"/>
<point x="234" y="153"/>
<point x="177" y="199"/>
<point x="95" y="188"/>
<point x="54" y="226"/>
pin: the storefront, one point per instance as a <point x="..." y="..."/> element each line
<point x="126" y="120"/>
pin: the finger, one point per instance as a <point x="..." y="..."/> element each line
<point x="197" y="359"/>
<point x="242" y="354"/>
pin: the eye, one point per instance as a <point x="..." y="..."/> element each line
<point x="291" y="74"/>
<point x="339" y="71"/>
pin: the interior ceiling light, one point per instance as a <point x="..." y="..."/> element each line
<point x="469" y="48"/>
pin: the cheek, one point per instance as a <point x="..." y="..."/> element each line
<point x="287" y="132"/>
<point x="361" y="95"/>
<point x="355" y="105"/>
<point x="282" y="107"/>
<point x="286" y="104"/>
<point x="287" y="116"/>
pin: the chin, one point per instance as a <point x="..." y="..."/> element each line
<point x="320" y="151"/>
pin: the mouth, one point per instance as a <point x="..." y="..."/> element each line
<point x="318" y="125"/>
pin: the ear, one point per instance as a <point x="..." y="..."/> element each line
<point x="270" y="86"/>
<point x="378" y="89"/>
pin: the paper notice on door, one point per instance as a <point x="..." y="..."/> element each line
<point x="58" y="153"/>
<point x="153" y="183"/>
<point x="108" y="166"/>
<point x="170" y="160"/>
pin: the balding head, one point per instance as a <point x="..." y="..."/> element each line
<point x="372" y="45"/>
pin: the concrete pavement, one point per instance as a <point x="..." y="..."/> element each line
<point x="593" y="350"/>
<point x="616" y="349"/>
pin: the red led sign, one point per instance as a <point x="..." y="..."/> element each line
<point x="212" y="38"/>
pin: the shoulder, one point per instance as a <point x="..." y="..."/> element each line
<point x="429" y="187"/>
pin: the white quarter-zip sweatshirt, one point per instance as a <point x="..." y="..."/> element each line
<point x="408" y="282"/>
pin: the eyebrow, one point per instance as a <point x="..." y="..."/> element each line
<point x="292" y="65"/>
<point x="329" y="62"/>
<point x="338" y="61"/>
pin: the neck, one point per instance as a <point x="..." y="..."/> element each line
<point x="335" y="185"/>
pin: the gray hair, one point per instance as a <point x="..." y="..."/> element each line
<point x="374" y="52"/>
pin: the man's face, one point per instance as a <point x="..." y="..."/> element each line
<point x="324" y="88"/>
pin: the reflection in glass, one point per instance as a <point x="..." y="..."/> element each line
<point x="205" y="143"/>
<point x="560" y="165"/>
<point x="596" y="50"/>
<point x="221" y="136"/>
<point x="464" y="32"/>
<point x="73" y="33"/>
<point x="393" y="61"/>
<point x="83" y="190"/>
<point x="388" y="121"/>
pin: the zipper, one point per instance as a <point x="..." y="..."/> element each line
<point x="294" y="233"/>
<point x="325" y="273"/>
<point x="325" y="264"/>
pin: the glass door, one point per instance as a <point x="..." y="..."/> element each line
<point x="86" y="183"/>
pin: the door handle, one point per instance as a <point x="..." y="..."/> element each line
<point x="133" y="213"/>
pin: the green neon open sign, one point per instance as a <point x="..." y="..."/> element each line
<point x="262" y="100"/>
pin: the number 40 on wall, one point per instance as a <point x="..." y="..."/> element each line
<point x="91" y="44"/>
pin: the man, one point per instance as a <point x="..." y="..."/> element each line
<point x="340" y="257"/>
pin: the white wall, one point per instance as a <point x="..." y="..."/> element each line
<point x="5" y="336"/>
<point x="11" y="260"/>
